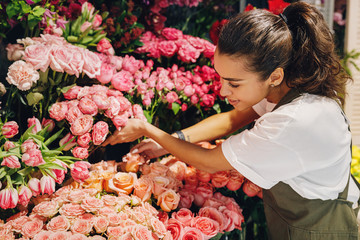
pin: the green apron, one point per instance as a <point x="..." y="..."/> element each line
<point x="290" y="216"/>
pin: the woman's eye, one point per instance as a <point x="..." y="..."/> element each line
<point x="233" y="85"/>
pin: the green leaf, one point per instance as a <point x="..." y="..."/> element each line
<point x="175" y="107"/>
<point x="148" y="116"/>
<point x="98" y="38"/>
<point x="38" y="11"/>
<point x="217" y="108"/>
<point x="37" y="138"/>
<point x="12" y="9"/>
<point x="25" y="136"/>
<point x="32" y="21"/>
<point x="25" y="7"/>
<point x="2" y="172"/>
<point x="53" y="137"/>
<point x="72" y="39"/>
<point x="18" y="179"/>
<point x="51" y="166"/>
<point x="86" y="40"/>
<point x="25" y="171"/>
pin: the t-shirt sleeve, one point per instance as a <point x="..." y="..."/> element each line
<point x="260" y="107"/>
<point x="261" y="155"/>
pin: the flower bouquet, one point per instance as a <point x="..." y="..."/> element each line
<point x="29" y="167"/>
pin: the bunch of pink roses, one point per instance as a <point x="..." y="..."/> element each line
<point x="172" y="42"/>
<point x="28" y="166"/>
<point x="91" y="112"/>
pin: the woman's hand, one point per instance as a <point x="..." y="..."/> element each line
<point x="133" y="130"/>
<point x="150" y="148"/>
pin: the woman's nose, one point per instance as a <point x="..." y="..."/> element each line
<point x="224" y="91"/>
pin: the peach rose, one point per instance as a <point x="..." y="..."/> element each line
<point x="122" y="183"/>
<point x="31" y="228"/>
<point x="101" y="224"/>
<point x="140" y="232"/>
<point x="92" y="204"/>
<point x="115" y="231"/>
<point x="178" y="169"/>
<point x="77" y="236"/>
<point x="43" y="235"/>
<point x="203" y="176"/>
<point x="168" y="200"/>
<point x="158" y="227"/>
<point x="18" y="222"/>
<point x="60" y="235"/>
<point x="46" y="209"/>
<point x="81" y="226"/>
<point x="58" y="223"/>
<point x="160" y="184"/>
<point x="143" y="188"/>
<point x="71" y="210"/>
<point x="220" y="179"/>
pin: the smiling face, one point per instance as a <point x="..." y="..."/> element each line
<point x="241" y="87"/>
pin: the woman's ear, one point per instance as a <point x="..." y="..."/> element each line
<point x="276" y="77"/>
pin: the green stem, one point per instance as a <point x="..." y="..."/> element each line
<point x="9" y="182"/>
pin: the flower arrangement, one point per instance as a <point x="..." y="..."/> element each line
<point x="169" y="200"/>
<point x="28" y="166"/>
<point x="91" y="112"/>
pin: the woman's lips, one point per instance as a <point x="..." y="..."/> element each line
<point x="233" y="102"/>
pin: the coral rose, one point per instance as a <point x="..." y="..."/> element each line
<point x="168" y="200"/>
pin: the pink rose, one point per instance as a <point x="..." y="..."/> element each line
<point x="14" y="51"/>
<point x="8" y="198"/>
<point x="60" y="235"/>
<point x="88" y="106"/>
<point x="92" y="204"/>
<point x="58" y="223"/>
<point x="171" y="97"/>
<point x="9" y="145"/>
<point x="250" y="188"/>
<point x="131" y="64"/>
<point x="68" y="140"/>
<point x="234" y="219"/>
<point x="187" y="53"/>
<point x="43" y="235"/>
<point x="99" y="133"/>
<point x="33" y="158"/>
<point x="17" y="222"/>
<point x="73" y="113"/>
<point x="24" y="195"/>
<point x="235" y="180"/>
<point x="80" y="152"/>
<point x="60" y="58"/>
<point x="58" y="111"/>
<point x="123" y="81"/>
<point x="11" y="162"/>
<point x="114" y="107"/>
<point x="214" y="214"/>
<point x="206" y="225"/>
<point x="34" y="185"/>
<point x="184" y="216"/>
<point x="84" y="140"/>
<point x="46" y="208"/>
<point x="38" y="56"/>
<point x="72" y="93"/>
<point x="167" y="48"/>
<point x="158" y="227"/>
<point x="101" y="101"/>
<point x="34" y="122"/>
<point x="92" y="64"/>
<point x="10" y="129"/>
<point x="172" y="33"/>
<point x="120" y="120"/>
<point x="192" y="233"/>
<point x="175" y="227"/>
<point x="186" y="198"/>
<point x="140" y="232"/>
<point x="168" y="200"/>
<point x="104" y="46"/>
<point x="82" y="125"/>
<point x="71" y="210"/>
<point x="81" y="226"/>
<point x="80" y="170"/>
<point x="101" y="224"/>
<point x="31" y="228"/>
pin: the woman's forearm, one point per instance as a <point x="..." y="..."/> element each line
<point x="219" y="125"/>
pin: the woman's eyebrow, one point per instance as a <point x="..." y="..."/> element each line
<point x="233" y="79"/>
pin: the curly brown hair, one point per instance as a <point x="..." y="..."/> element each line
<point x="301" y="43"/>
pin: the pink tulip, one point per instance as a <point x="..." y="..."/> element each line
<point x="34" y="185"/>
<point x="8" y="145"/>
<point x="80" y="170"/>
<point x="10" y="129"/>
<point x="48" y="122"/>
<point x="33" y="158"/>
<point x="11" y="162"/>
<point x="8" y="198"/>
<point x="66" y="140"/>
<point x="34" y="121"/>
<point x="47" y="185"/>
<point x="24" y="195"/>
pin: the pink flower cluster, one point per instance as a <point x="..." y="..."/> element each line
<point x="173" y="42"/>
<point x="202" y="86"/>
<point x="71" y="214"/>
<point x="79" y="110"/>
<point x="30" y="153"/>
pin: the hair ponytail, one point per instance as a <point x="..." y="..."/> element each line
<point x="300" y="42"/>
<point x="314" y="66"/>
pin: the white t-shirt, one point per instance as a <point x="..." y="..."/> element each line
<point x="305" y="144"/>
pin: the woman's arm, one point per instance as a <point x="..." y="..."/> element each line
<point x="219" y="125"/>
<point x="209" y="160"/>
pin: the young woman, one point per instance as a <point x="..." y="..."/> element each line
<point x="298" y="152"/>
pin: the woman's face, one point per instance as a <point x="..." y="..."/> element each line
<point x="242" y="88"/>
